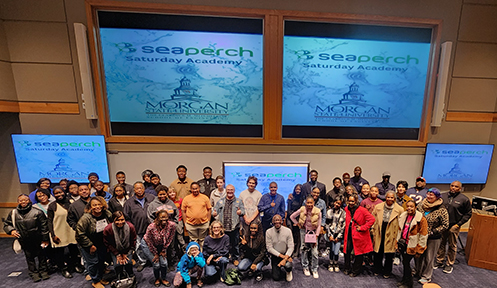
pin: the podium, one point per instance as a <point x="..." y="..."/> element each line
<point x="481" y="250"/>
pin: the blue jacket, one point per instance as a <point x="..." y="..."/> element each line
<point x="106" y="197"/>
<point x="187" y="262"/>
<point x="265" y="207"/>
<point x="235" y="218"/>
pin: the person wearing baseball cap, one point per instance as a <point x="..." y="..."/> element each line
<point x="384" y="185"/>
<point x="418" y="192"/>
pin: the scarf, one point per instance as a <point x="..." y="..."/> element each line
<point x="24" y="210"/>
<point x="387" y="211"/>
<point x="121" y="236"/>
<point x="427" y="206"/>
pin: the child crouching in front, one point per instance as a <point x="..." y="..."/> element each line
<point x="190" y="263"/>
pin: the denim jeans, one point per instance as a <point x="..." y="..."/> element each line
<point x="334" y="250"/>
<point x="118" y="268"/>
<point x="142" y="258"/>
<point x="245" y="264"/>
<point x="95" y="262"/>
<point x="305" y="248"/>
<point x="210" y="270"/>
<point x="160" y="268"/>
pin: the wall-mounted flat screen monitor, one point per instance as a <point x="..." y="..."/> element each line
<point x="467" y="163"/>
<point x="58" y="157"/>
<point x="285" y="174"/>
<point x="351" y="81"/>
<point x="174" y="75"/>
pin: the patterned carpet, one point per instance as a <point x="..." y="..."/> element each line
<point x="463" y="276"/>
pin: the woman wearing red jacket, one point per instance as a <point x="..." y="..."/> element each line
<point x="357" y="240"/>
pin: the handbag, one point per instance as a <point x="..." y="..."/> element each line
<point x="124" y="281"/>
<point x="16" y="246"/>
<point x="310" y="237"/>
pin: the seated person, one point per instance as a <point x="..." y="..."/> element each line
<point x="216" y="250"/>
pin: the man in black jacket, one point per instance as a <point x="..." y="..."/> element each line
<point x="77" y="208"/>
<point x="135" y="211"/>
<point x="459" y="208"/>
<point x="307" y="187"/>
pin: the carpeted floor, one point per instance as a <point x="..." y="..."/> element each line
<point x="463" y="276"/>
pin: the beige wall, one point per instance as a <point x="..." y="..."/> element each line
<point x="38" y="63"/>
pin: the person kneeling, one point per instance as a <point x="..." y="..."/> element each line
<point x="279" y="243"/>
<point x="253" y="251"/>
<point x="216" y="250"/>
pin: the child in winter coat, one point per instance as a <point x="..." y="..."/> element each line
<point x="190" y="263"/>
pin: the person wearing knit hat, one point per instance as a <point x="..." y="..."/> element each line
<point x="191" y="262"/>
<point x="438" y="221"/>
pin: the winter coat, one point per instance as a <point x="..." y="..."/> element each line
<point x="437" y="218"/>
<point x="392" y="228"/>
<point x="418" y="233"/>
<point x="187" y="262"/>
<point x="86" y="230"/>
<point x="31" y="223"/>
<point x="360" y="239"/>
<point x="110" y="240"/>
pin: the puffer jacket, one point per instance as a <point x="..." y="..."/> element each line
<point x="86" y="228"/>
<point x="31" y="223"/>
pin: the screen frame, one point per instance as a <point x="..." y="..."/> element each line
<point x="63" y="135"/>
<point x="469" y="144"/>
<point x="272" y="163"/>
<point x="273" y="21"/>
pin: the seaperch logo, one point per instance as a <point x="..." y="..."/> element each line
<point x="377" y="59"/>
<point x="52" y="144"/>
<point x="189" y="51"/>
<point x="460" y="152"/>
<point x="267" y="175"/>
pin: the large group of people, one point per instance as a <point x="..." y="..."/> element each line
<point x="199" y="227"/>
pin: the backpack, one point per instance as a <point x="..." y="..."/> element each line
<point x="232" y="277"/>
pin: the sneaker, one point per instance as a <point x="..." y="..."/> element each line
<point x="44" y="275"/>
<point x="259" y="278"/>
<point x="36" y="277"/>
<point x="438" y="265"/>
<point x="424" y="281"/>
<point x="330" y="268"/>
<point x="315" y="274"/>
<point x="307" y="272"/>
<point x="289" y="276"/>
<point x="336" y="268"/>
<point x="448" y="269"/>
<point x="97" y="285"/>
<point x="396" y="261"/>
<point x="386" y="276"/>
<point x="88" y="278"/>
<point x="140" y="268"/>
